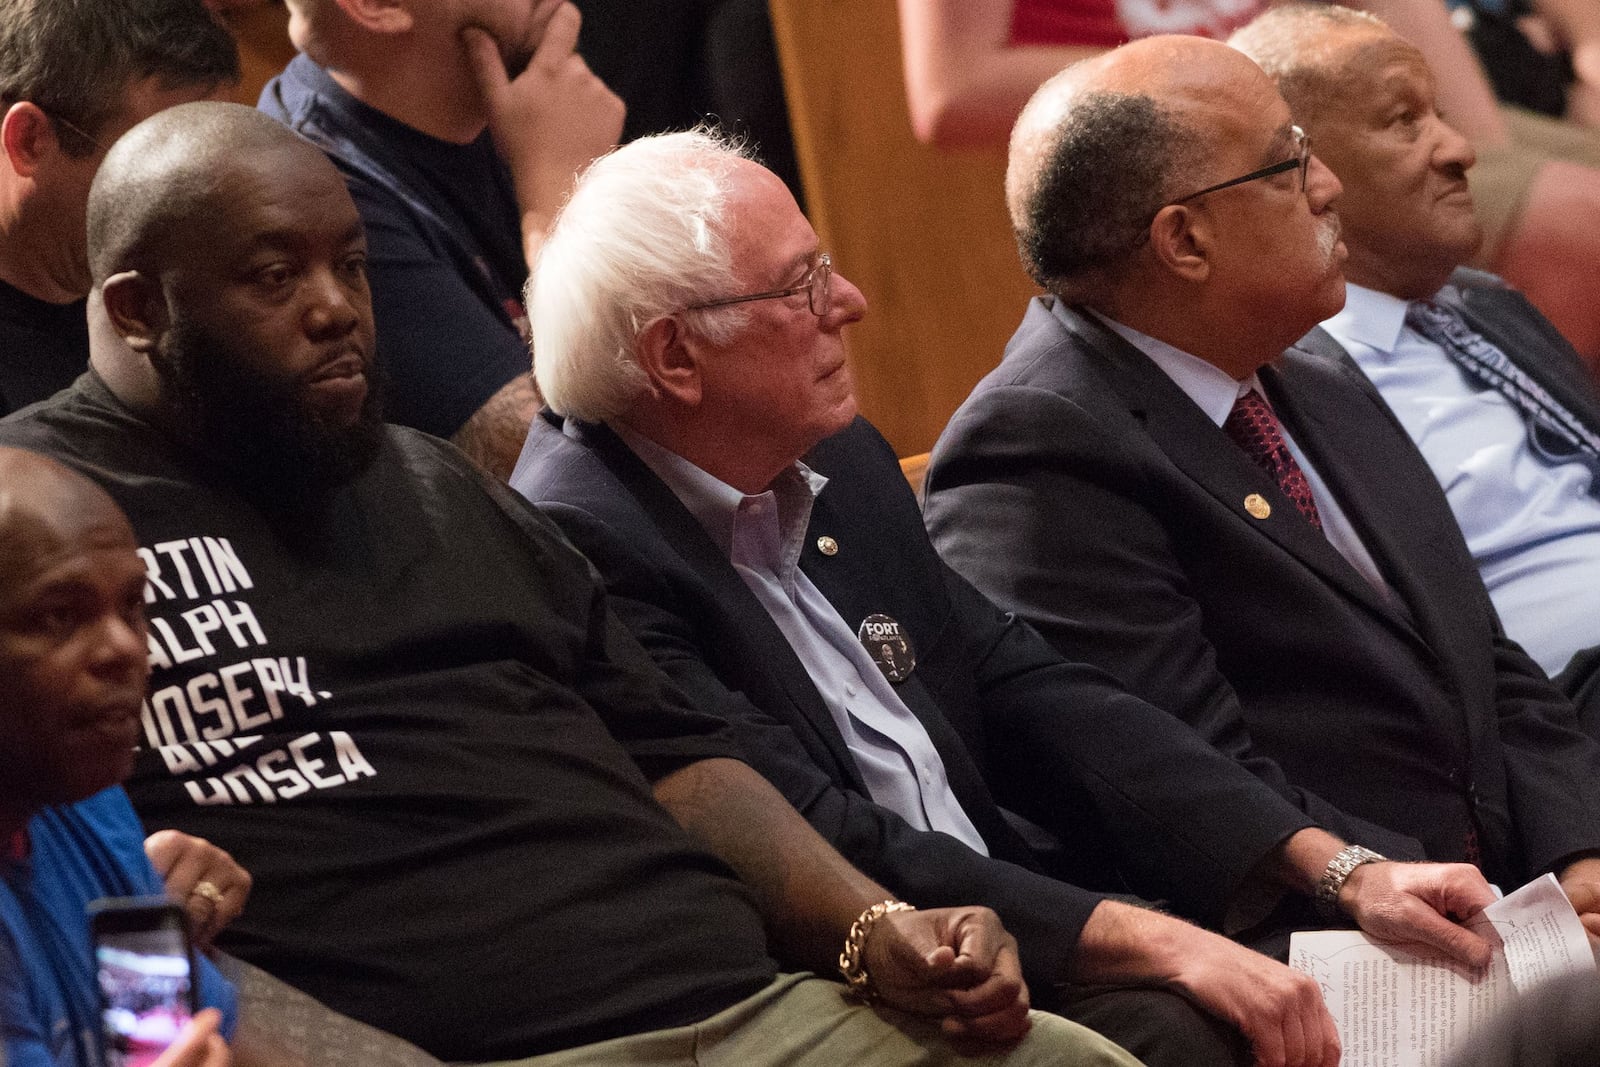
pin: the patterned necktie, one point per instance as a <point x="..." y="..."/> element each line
<point x="1254" y="428"/>
<point x="1554" y="432"/>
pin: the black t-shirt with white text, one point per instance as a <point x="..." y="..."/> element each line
<point x="401" y="710"/>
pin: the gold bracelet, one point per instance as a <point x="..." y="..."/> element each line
<point x="852" y="960"/>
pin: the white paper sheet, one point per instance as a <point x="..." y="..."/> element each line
<point x="1405" y="1006"/>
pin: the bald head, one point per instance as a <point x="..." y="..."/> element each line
<point x="158" y="190"/>
<point x="1102" y="145"/>
<point x="1165" y="185"/>
<point x="230" y="306"/>
<point x="43" y="506"/>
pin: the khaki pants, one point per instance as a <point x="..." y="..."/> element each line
<point x="801" y="1021"/>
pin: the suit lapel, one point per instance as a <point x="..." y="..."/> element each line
<point x="1348" y="440"/>
<point x="763" y="644"/>
<point x="1200" y="449"/>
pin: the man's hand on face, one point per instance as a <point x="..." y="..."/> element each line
<point x="548" y="122"/>
<point x="1420" y="902"/>
<point x="955" y="964"/>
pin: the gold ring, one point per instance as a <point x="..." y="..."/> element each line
<point x="209" y="891"/>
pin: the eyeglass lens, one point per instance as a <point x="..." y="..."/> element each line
<point x="820" y="291"/>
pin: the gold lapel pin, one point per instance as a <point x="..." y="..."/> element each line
<point x="827" y="546"/>
<point x="1257" y="506"/>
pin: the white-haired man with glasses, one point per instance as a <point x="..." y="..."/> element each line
<point x="1244" y="537"/>
<point x="688" y="342"/>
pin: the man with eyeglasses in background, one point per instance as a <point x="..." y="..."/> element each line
<point x="1246" y="540"/>
<point x="74" y="76"/>
<point x="688" y="339"/>
<point x="1503" y="409"/>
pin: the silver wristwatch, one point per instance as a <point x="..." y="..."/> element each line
<point x="1337" y="873"/>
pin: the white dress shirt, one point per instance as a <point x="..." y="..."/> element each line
<point x="1533" y="526"/>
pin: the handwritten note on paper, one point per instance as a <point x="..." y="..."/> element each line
<point x="1406" y="1006"/>
<point x="1542" y="935"/>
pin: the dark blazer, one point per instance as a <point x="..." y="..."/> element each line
<point x="1139" y="803"/>
<point x="1081" y="488"/>
<point x="1504" y="316"/>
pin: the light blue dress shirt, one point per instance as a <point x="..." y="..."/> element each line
<point x="1215" y="392"/>
<point x="762" y="536"/>
<point x="1533" y="526"/>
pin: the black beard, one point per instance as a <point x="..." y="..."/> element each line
<point x="257" y="427"/>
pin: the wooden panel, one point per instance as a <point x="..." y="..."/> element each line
<point x="915" y="468"/>
<point x="923" y="233"/>
<point x="262" y="31"/>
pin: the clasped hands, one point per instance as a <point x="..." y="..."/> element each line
<point x="958" y="965"/>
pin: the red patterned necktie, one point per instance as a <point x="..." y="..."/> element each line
<point x="1254" y="428"/>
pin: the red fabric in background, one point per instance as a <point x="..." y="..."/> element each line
<point x="1108" y="23"/>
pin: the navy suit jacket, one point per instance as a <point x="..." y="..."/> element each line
<point x="1504" y="316"/>
<point x="1139" y="803"/>
<point x="1080" y="487"/>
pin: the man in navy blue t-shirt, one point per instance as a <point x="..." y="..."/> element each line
<point x="458" y="128"/>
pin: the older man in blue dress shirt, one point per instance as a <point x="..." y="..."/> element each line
<point x="1501" y="407"/>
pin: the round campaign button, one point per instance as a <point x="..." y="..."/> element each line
<point x="889" y="646"/>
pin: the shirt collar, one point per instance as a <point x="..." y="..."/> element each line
<point x="713" y="502"/>
<point x="1211" y="388"/>
<point x="1369" y="318"/>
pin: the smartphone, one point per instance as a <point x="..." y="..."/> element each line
<point x="145" y="966"/>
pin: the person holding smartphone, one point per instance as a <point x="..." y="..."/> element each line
<point x="72" y="676"/>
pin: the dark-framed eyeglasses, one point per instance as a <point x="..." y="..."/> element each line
<point x="817" y="285"/>
<point x="1301" y="161"/>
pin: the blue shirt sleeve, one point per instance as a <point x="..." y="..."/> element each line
<point x="111" y="820"/>
<point x="49" y="1003"/>
<point x="23" y="1044"/>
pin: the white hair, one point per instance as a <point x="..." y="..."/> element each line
<point x="644" y="235"/>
